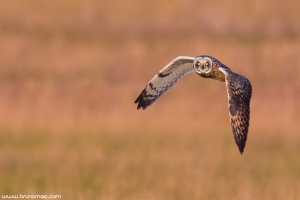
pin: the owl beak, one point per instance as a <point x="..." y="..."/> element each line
<point x="200" y="69"/>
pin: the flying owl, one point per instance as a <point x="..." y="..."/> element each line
<point x="239" y="89"/>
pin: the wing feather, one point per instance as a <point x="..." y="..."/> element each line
<point x="165" y="79"/>
<point x="239" y="91"/>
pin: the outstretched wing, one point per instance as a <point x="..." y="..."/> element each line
<point x="239" y="91"/>
<point x="165" y="78"/>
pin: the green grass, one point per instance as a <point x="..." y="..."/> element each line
<point x="145" y="165"/>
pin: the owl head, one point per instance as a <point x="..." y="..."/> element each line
<point x="203" y="64"/>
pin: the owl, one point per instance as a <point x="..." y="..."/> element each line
<point x="238" y="87"/>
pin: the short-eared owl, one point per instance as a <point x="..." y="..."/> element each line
<point x="239" y="89"/>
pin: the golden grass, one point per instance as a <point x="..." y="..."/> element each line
<point x="70" y="72"/>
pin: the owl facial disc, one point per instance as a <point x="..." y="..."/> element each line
<point x="202" y="65"/>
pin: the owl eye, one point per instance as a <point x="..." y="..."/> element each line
<point x="198" y="63"/>
<point x="206" y="64"/>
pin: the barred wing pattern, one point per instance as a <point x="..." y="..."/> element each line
<point x="239" y="95"/>
<point x="165" y="79"/>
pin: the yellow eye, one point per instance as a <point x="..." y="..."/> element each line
<point x="198" y="63"/>
<point x="206" y="64"/>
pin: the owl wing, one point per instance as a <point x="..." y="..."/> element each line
<point x="239" y="91"/>
<point x="165" y="79"/>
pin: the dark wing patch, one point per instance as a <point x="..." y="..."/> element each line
<point x="239" y="95"/>
<point x="165" y="79"/>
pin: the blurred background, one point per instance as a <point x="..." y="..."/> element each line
<point x="71" y="70"/>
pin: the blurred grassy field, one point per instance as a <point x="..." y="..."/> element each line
<point x="71" y="70"/>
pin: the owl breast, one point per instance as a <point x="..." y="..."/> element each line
<point x="215" y="73"/>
